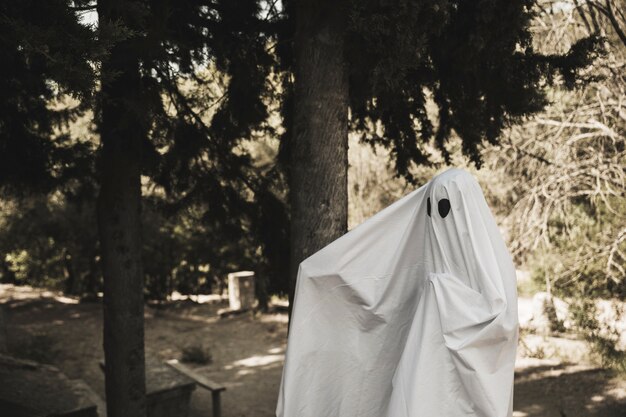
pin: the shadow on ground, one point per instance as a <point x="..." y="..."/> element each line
<point x="569" y="391"/>
<point x="247" y="356"/>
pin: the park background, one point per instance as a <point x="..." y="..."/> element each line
<point x="555" y="181"/>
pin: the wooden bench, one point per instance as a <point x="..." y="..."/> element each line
<point x="184" y="372"/>
<point x="215" y="388"/>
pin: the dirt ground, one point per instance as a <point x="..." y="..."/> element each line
<point x="247" y="355"/>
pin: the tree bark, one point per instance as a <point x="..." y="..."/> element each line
<point x="319" y="148"/>
<point x="122" y="129"/>
<point x="4" y="340"/>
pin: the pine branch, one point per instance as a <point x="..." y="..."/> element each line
<point x="607" y="11"/>
<point x="83" y="8"/>
<point x="181" y="103"/>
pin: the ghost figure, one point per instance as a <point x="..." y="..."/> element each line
<point x="411" y="314"/>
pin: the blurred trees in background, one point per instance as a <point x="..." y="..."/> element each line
<point x="52" y="243"/>
<point x="473" y="61"/>
<point x="217" y="89"/>
<point x="556" y="182"/>
<point x="46" y="174"/>
<point x="42" y="64"/>
<point x="568" y="209"/>
<point x="204" y="105"/>
<point x="151" y="134"/>
<point x="567" y="212"/>
<point x="214" y="169"/>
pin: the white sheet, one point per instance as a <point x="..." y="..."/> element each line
<point x="410" y="314"/>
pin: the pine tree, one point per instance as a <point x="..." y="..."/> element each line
<point x="145" y="51"/>
<point x="385" y="61"/>
<point x="40" y="63"/>
<point x="473" y="59"/>
<point x="191" y="159"/>
<point x="123" y="127"/>
<point x="319" y="147"/>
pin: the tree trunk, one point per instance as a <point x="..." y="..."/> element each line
<point x="4" y="340"/>
<point x="319" y="148"/>
<point x="122" y="129"/>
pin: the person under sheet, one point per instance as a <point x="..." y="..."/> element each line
<point x="411" y="314"/>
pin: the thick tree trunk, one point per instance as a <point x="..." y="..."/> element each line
<point x="319" y="148"/>
<point x="122" y="130"/>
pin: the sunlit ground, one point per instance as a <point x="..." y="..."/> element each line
<point x="554" y="377"/>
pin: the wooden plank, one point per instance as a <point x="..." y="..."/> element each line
<point x="161" y="377"/>
<point x="201" y="380"/>
<point x="217" y="406"/>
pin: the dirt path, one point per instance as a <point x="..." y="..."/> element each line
<point x="248" y="352"/>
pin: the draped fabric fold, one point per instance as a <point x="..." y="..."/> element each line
<point x="411" y="314"/>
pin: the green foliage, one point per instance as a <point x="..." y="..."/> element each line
<point x="474" y="59"/>
<point x="556" y="182"/>
<point x="211" y="76"/>
<point x="603" y="340"/>
<point x="576" y="258"/>
<point x="187" y="254"/>
<point x="45" y="53"/>
<point x="203" y="73"/>
<point x="51" y="242"/>
<point x="565" y="213"/>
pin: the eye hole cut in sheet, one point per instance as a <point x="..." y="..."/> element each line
<point x="411" y="314"/>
